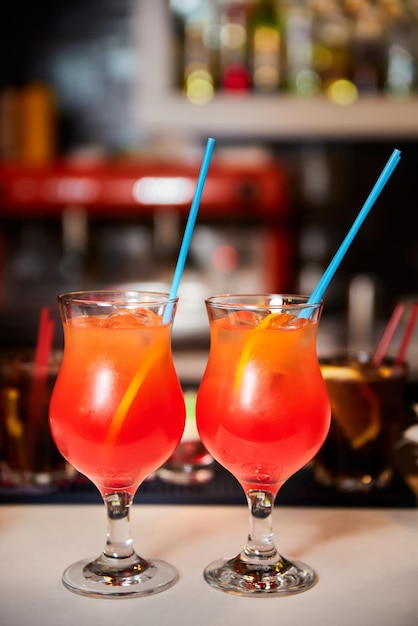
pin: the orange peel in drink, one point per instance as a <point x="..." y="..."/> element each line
<point x="273" y="320"/>
<point x="148" y="362"/>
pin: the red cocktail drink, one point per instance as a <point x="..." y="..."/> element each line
<point x="116" y="414"/>
<point x="262" y="412"/>
<point x="101" y="359"/>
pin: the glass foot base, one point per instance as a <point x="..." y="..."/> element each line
<point x="86" y="578"/>
<point x="236" y="576"/>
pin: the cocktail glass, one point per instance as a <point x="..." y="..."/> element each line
<point x="368" y="408"/>
<point x="116" y="414"/>
<point x="263" y="413"/>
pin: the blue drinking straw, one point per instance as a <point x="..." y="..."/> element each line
<point x="324" y="281"/>
<point x="191" y="220"/>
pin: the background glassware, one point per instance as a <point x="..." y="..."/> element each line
<point x="263" y="413"/>
<point x="368" y="405"/>
<point x="29" y="460"/>
<point x="117" y="413"/>
<point x="191" y="463"/>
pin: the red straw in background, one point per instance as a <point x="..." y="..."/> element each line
<point x="400" y="358"/>
<point x="43" y="342"/>
<point x="388" y="334"/>
<point x="38" y="389"/>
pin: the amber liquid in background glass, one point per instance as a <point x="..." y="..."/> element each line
<point x="28" y="454"/>
<point x="368" y="413"/>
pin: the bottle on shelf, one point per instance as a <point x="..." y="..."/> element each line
<point x="332" y="50"/>
<point x="37" y="120"/>
<point x="265" y="32"/>
<point x="341" y="48"/>
<point x="9" y="124"/>
<point x="235" y="76"/>
<point x="200" y="51"/>
<point x="368" y="48"/>
<point x="302" y="79"/>
<point x="400" y="70"/>
<point x="28" y="124"/>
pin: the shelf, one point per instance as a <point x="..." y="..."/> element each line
<point x="283" y="117"/>
<point x="160" y="108"/>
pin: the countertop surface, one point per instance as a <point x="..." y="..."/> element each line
<point x="366" y="559"/>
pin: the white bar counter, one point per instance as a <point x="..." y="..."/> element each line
<point x="366" y="559"/>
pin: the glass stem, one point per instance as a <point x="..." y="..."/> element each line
<point x="260" y="541"/>
<point x="119" y="543"/>
<point x="118" y="564"/>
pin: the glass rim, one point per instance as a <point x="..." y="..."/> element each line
<point x="110" y="297"/>
<point x="263" y="300"/>
<point x="361" y="359"/>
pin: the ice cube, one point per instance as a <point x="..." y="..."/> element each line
<point x="132" y="318"/>
<point x="283" y="320"/>
<point x="86" y="321"/>
<point x="276" y="320"/>
<point x="297" y="322"/>
<point x="244" y="318"/>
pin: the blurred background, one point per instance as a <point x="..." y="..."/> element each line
<point x="105" y="108"/>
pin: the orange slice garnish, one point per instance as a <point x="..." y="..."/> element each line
<point x="354" y="405"/>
